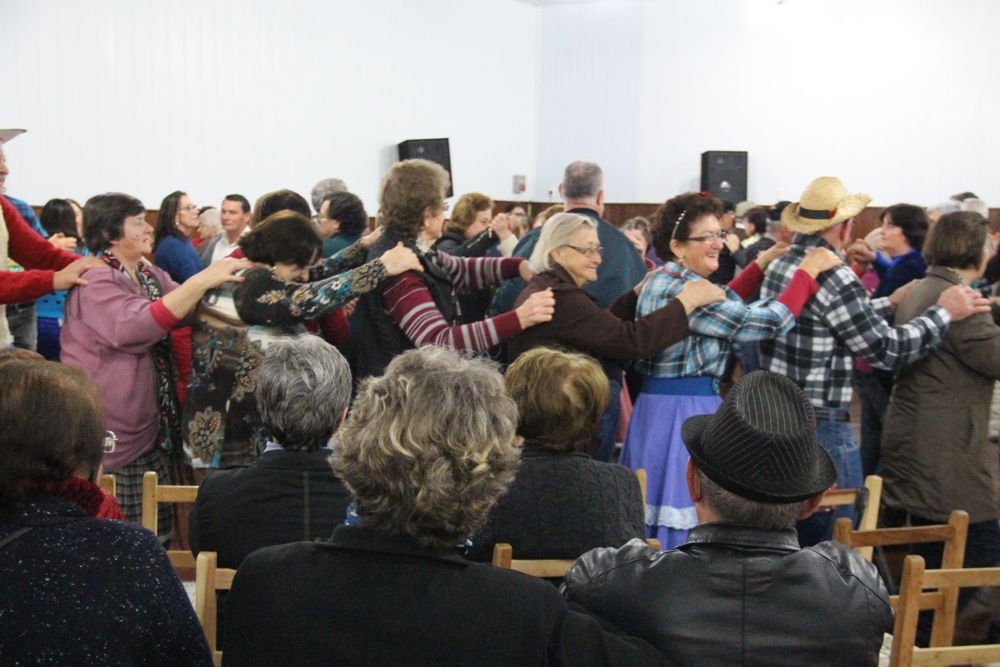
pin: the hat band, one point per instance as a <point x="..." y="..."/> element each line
<point x="816" y="214"/>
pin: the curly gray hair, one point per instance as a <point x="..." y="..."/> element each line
<point x="429" y="446"/>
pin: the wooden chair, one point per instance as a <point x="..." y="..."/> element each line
<point x="871" y="503"/>
<point x="210" y="579"/>
<point x="952" y="534"/>
<point x="154" y="493"/>
<point x="107" y="484"/>
<point x="913" y="598"/>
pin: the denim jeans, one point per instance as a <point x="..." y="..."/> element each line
<point x="23" y="326"/>
<point x="874" y="401"/>
<point x="609" y="423"/>
<point x="837" y="438"/>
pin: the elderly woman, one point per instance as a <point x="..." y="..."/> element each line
<point x="341" y="220"/>
<point x="77" y="589"/>
<point x="394" y="590"/>
<point x="936" y="456"/>
<point x="682" y="379"/>
<point x="117" y="329"/>
<point x="176" y="223"/>
<point x="561" y="502"/>
<point x="472" y="231"/>
<point x="566" y="257"/>
<point x="418" y="309"/>
<point x="234" y="326"/>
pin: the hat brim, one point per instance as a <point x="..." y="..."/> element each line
<point x="693" y="432"/>
<point x="848" y="207"/>
<point x="7" y="135"/>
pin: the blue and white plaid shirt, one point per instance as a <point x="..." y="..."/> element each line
<point x="713" y="327"/>
<point x="838" y="322"/>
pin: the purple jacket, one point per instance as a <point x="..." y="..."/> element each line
<point x="110" y="330"/>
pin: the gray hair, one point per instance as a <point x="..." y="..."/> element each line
<point x="303" y="388"/>
<point x="429" y="446"/>
<point x="949" y="206"/>
<point x="582" y="180"/>
<point x="555" y="234"/>
<point x="324" y="188"/>
<point x="739" y="511"/>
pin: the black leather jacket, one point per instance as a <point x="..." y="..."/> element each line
<point x="739" y="596"/>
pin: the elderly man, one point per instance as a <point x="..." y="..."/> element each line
<point x="840" y="322"/>
<point x="303" y="389"/>
<point x="740" y="591"/>
<point x="234" y="217"/>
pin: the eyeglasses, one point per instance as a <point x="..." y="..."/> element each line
<point x="110" y="441"/>
<point x="589" y="251"/>
<point x="708" y="238"/>
<point x="189" y="208"/>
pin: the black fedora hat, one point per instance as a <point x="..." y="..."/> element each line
<point x="761" y="443"/>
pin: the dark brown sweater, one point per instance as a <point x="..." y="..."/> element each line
<point x="581" y="325"/>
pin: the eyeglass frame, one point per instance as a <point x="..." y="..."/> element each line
<point x="110" y="442"/>
<point x="707" y="238"/>
<point x="591" y="251"/>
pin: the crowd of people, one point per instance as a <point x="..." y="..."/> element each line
<point x="494" y="366"/>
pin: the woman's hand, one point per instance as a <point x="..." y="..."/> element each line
<point x="861" y="252"/>
<point x="221" y="271"/>
<point x="400" y="259"/>
<point x="69" y="275"/>
<point x="62" y="241"/>
<point x="698" y="293"/>
<point x="771" y="254"/>
<point x="501" y="226"/>
<point x="819" y="260"/>
<point x="368" y="239"/>
<point x="536" y="309"/>
<point x="527" y="273"/>
<point x="732" y="242"/>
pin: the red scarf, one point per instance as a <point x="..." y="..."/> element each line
<point x="92" y="498"/>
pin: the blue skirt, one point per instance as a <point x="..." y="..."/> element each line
<point x="654" y="443"/>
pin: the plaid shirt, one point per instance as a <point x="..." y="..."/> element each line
<point x="713" y="327"/>
<point x="838" y="322"/>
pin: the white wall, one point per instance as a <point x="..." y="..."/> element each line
<point x="897" y="97"/>
<point x="216" y="96"/>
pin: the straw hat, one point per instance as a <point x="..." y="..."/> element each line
<point x="824" y="204"/>
<point x="7" y="135"/>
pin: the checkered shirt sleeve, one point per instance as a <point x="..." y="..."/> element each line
<point x="713" y="327"/>
<point x="836" y="324"/>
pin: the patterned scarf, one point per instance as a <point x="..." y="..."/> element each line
<point x="169" y="437"/>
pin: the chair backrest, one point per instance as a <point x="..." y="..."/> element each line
<point x="154" y="493"/>
<point x="872" y="500"/>
<point x="913" y="598"/>
<point x="952" y="534"/>
<point x="210" y="579"/>
<point x="107" y="484"/>
<point x="640" y="474"/>
<point x="546" y="567"/>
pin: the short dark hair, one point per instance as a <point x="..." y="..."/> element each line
<point x="756" y="218"/>
<point x="58" y="217"/>
<point x="33" y="449"/>
<point x="279" y="200"/>
<point x="166" y="224"/>
<point x="104" y="218"/>
<point x="912" y="220"/>
<point x="686" y="209"/>
<point x="957" y="241"/>
<point x="285" y="236"/>
<point x="347" y="209"/>
<point x="244" y="202"/>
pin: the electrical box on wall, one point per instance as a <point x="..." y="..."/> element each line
<point x="520" y="184"/>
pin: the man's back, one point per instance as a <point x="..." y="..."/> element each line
<point x="740" y="596"/>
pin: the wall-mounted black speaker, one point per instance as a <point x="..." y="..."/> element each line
<point x="435" y="150"/>
<point x="724" y="174"/>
